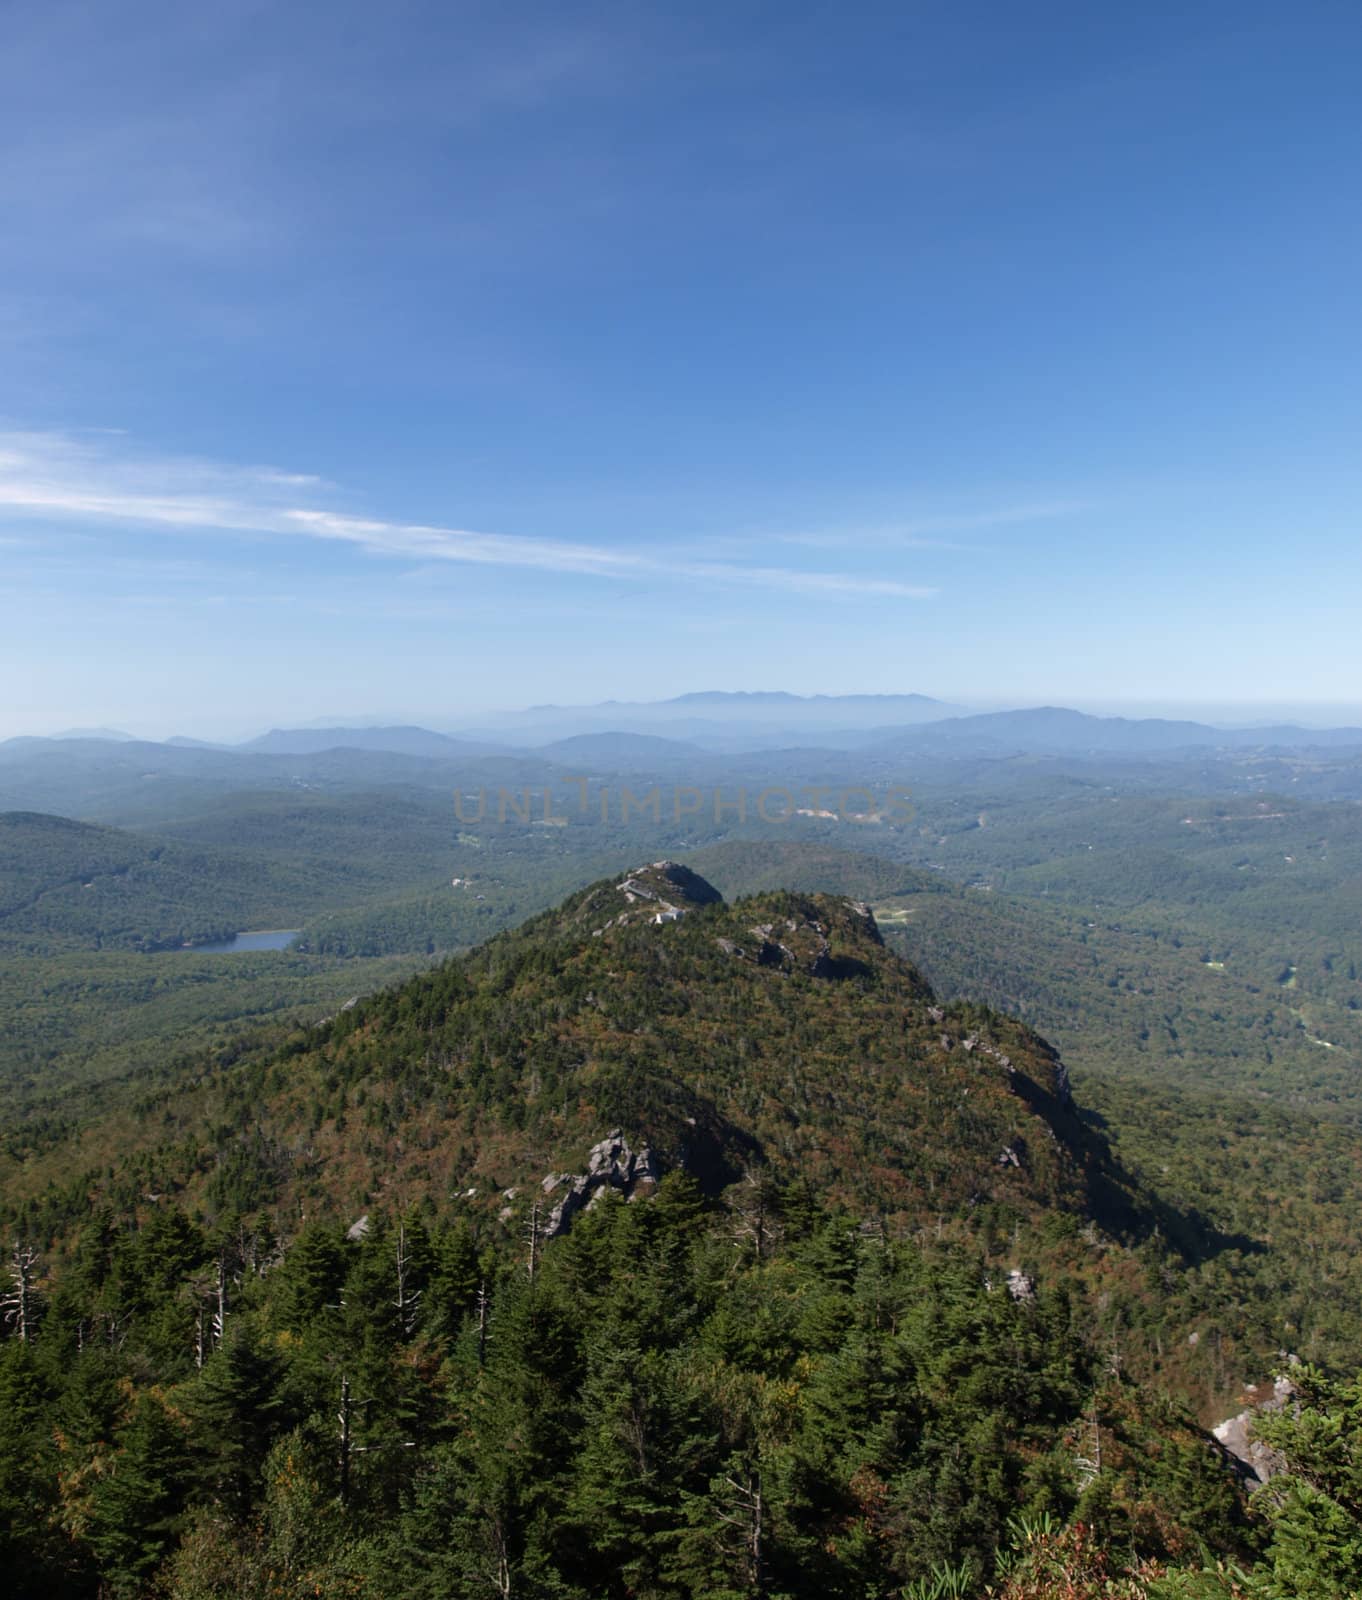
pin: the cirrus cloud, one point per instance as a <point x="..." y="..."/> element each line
<point x="85" y="479"/>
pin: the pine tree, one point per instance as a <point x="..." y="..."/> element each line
<point x="235" y="1409"/>
<point x="31" y="1556"/>
<point x="135" y="1508"/>
<point x="1315" y="1506"/>
<point x="314" y="1271"/>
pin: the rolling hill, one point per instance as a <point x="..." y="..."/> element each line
<point x="402" y="741"/>
<point x="722" y="1181"/>
<point x="65" y="883"/>
<point x="777" y="1030"/>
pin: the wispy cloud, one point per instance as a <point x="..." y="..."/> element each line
<point x="84" y="480"/>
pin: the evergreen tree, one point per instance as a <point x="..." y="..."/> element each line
<point x="1315" y="1506"/>
<point x="136" y="1505"/>
<point x="235" y="1409"/>
<point x="31" y="1555"/>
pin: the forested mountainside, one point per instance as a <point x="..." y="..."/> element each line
<point x="663" y="1246"/>
<point x="778" y="1031"/>
<point x="262" y="862"/>
<point x="1220" y="1050"/>
<point x="1211" y="992"/>
<point x="67" y="883"/>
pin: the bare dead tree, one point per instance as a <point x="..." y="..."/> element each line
<point x="636" y="1433"/>
<point x="407" y="1300"/>
<point x="499" y="1549"/>
<point x="346" y="1446"/>
<point x="532" y="1234"/>
<point x="1090" y="1465"/>
<point x="220" y="1309"/>
<point x="756" y="1222"/>
<point x="20" y="1304"/>
<point x="482" y="1323"/>
<point x="746" y="1515"/>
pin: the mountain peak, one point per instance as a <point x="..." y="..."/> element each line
<point x="669" y="885"/>
<point x="650" y="1010"/>
<point x="658" y="891"/>
<point x="772" y="1031"/>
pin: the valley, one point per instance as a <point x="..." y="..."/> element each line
<point x="1044" y="1059"/>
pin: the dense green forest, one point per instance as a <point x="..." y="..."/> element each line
<point x="853" y="1301"/>
<point x="679" y="1397"/>
<point x="764" y="1079"/>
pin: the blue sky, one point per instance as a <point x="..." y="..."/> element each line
<point x="416" y="359"/>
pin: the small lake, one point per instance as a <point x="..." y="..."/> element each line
<point x="264" y="939"/>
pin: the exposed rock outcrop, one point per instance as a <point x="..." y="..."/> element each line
<point x="610" y="1164"/>
<point x="797" y="945"/>
<point x="1258" y="1462"/>
<point x="662" y="891"/>
<point x="671" y="883"/>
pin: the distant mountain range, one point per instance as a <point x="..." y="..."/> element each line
<point x="1056" y="729"/>
<point x="115" y="734"/>
<point x="623" y="752"/>
<point x="738" y="704"/>
<point x="719" y="720"/>
<point x="402" y="741"/>
<point x="663" y="739"/>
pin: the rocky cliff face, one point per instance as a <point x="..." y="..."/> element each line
<point x="611" y="1165"/>
<point x="1257" y="1461"/>
<point x="661" y="891"/>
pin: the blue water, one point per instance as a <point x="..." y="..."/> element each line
<point x="268" y="939"/>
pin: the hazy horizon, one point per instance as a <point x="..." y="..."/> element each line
<point x="470" y="720"/>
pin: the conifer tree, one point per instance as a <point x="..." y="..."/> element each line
<point x="135" y="1508"/>
<point x="235" y="1408"/>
